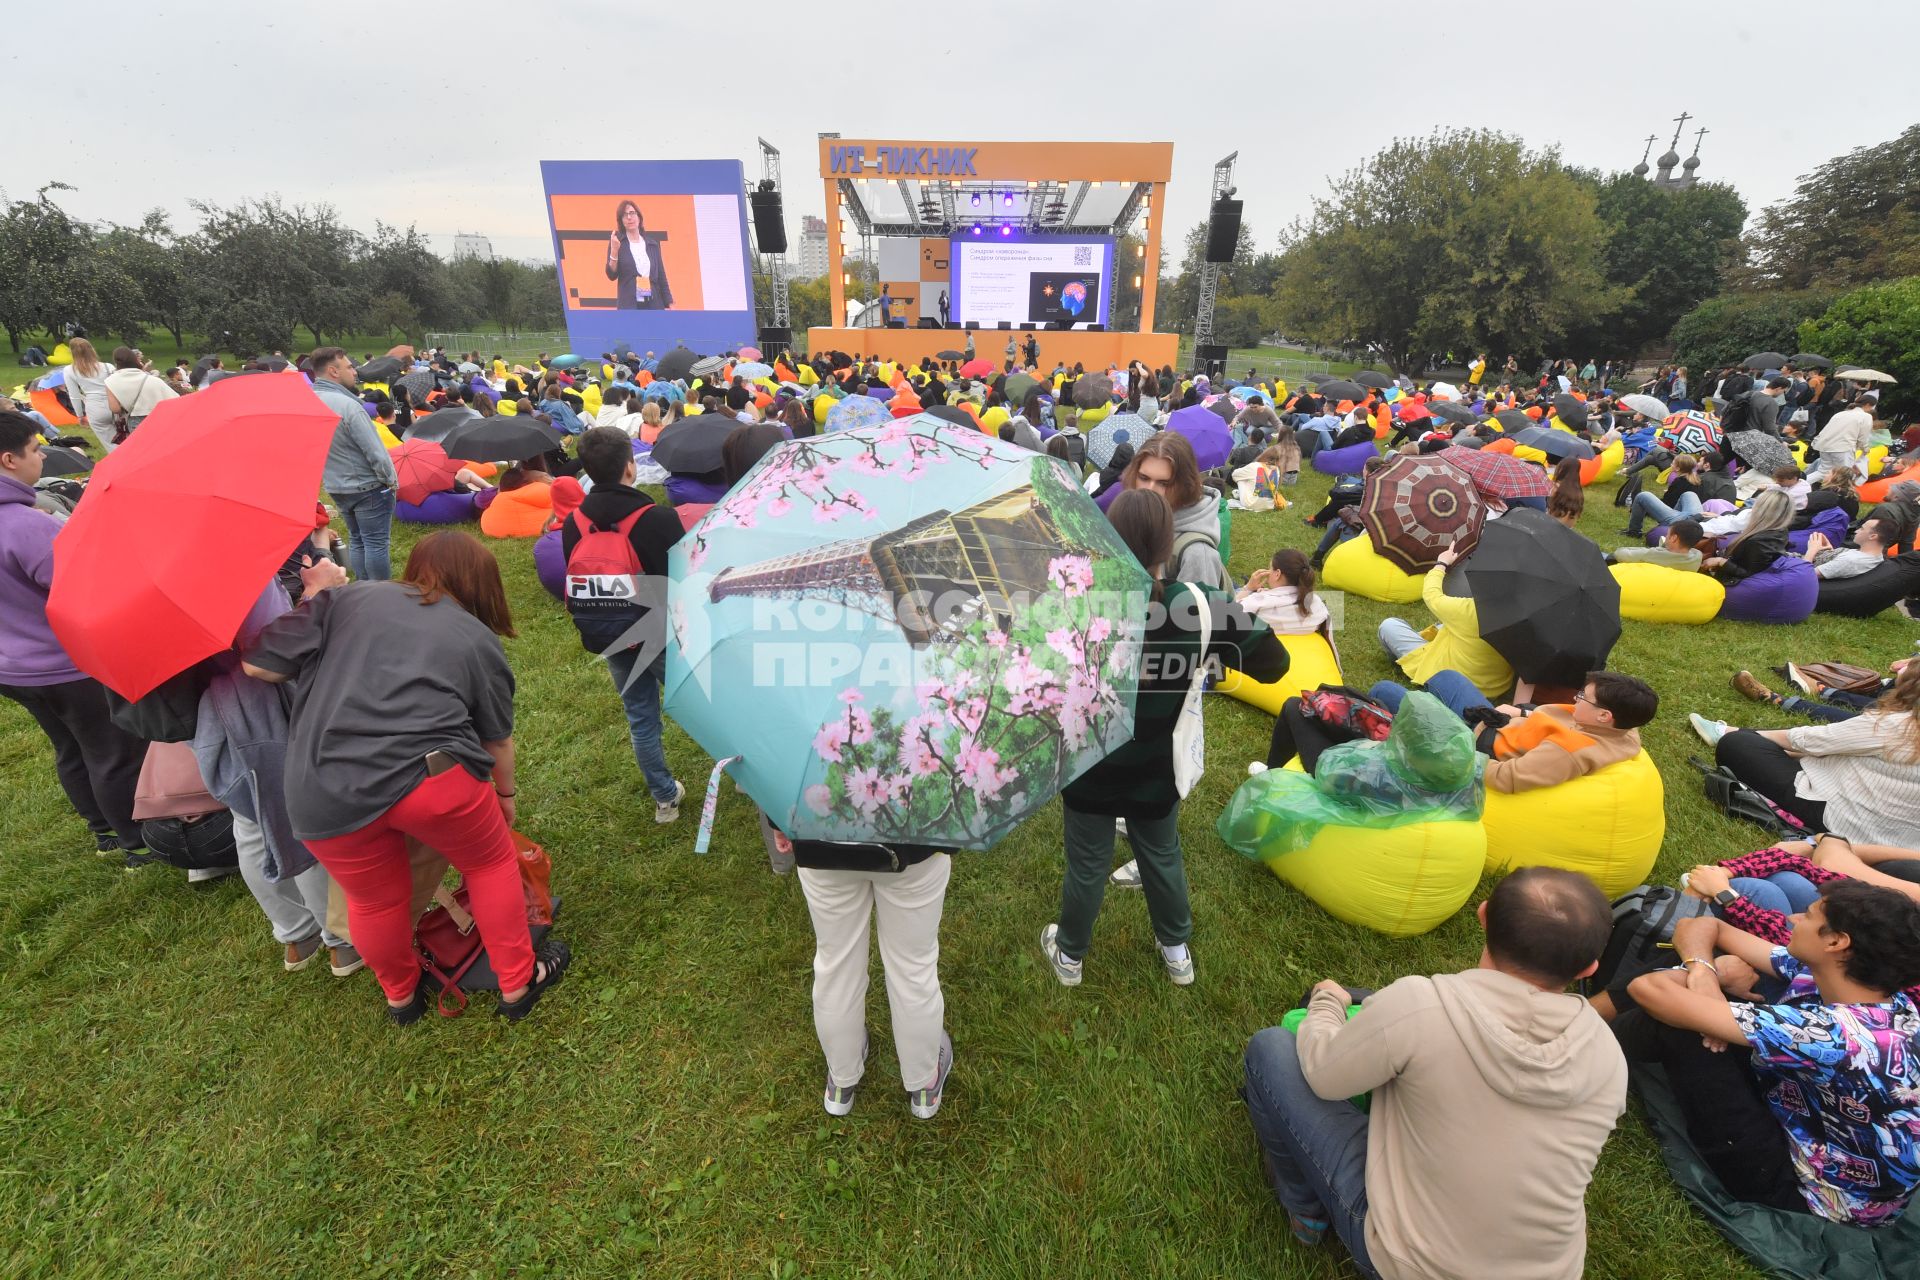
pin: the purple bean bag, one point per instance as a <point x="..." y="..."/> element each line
<point x="1832" y="522"/>
<point x="685" y="490"/>
<point x="1105" y="497"/>
<point x="1345" y="462"/>
<point x="1718" y="507"/>
<point x="1785" y="593"/>
<point x="439" y="508"/>
<point x="548" y="563"/>
<point x="1863" y="595"/>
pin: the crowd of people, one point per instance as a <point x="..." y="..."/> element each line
<point x="359" y="726"/>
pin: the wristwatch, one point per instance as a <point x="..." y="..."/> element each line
<point x="1726" y="897"/>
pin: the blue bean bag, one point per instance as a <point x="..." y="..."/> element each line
<point x="1832" y="522"/>
<point x="1784" y="593"/>
<point x="685" y="490"/>
<point x="439" y="508"/>
<point x="1879" y="588"/>
<point x="1345" y="462"/>
<point x="549" y="565"/>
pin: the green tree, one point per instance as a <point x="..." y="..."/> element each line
<point x="808" y="304"/>
<point x="1877" y="327"/>
<point x="1242" y="321"/>
<point x="264" y="269"/>
<point x="395" y="261"/>
<point x="1669" y="250"/>
<point x="1463" y="238"/>
<point x="1854" y="220"/>
<point x="161" y="266"/>
<point x="1725" y="330"/>
<point x="51" y="273"/>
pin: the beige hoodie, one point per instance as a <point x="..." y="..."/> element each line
<point x="1491" y="1101"/>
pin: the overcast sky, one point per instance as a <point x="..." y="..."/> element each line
<point x="441" y="120"/>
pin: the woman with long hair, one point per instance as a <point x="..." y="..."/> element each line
<point x="411" y="673"/>
<point x="1136" y="783"/>
<point x="86" y="382"/>
<point x="1836" y="489"/>
<point x="1164" y="463"/>
<point x="1569" y="498"/>
<point x="1681" y="499"/>
<point x="1761" y="541"/>
<point x="635" y="263"/>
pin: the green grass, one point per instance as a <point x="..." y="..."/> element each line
<point x="174" y="1105"/>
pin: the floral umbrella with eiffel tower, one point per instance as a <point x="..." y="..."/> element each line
<point x="906" y="633"/>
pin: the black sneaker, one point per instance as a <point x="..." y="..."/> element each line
<point x="425" y="992"/>
<point x="108" y="845"/>
<point x="138" y="859"/>
<point x="550" y="963"/>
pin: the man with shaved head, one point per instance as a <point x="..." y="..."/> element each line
<point x="1492" y="1092"/>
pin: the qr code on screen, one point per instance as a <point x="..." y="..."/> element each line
<point x="1083" y="255"/>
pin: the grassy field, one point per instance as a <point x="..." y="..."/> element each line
<point x="174" y="1105"/>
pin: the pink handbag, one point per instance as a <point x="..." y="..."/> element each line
<point x="171" y="786"/>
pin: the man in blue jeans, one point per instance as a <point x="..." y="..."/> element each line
<point x="359" y="475"/>
<point x="622" y="635"/>
<point x="1491" y="1093"/>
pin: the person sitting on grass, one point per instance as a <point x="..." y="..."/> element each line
<point x="1678" y="550"/>
<point x="1282" y="595"/>
<point x="1760" y="891"/>
<point x="1820" y="1116"/>
<point x="1859" y="778"/>
<point x="1817" y="701"/>
<point x="1681" y="499"/>
<point x="1493" y="1092"/>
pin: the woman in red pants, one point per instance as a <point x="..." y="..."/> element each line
<point x="402" y="725"/>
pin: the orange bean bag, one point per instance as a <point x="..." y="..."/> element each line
<point x="485" y="470"/>
<point x="1502" y="445"/>
<point x="518" y="513"/>
<point x="1870" y="492"/>
<point x="49" y="404"/>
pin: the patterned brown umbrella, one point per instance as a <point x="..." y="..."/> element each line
<point x="1415" y="507"/>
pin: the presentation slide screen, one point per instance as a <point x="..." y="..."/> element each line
<point x="1041" y="281"/>
<point x="651" y="252"/>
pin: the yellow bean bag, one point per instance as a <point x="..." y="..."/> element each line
<point x="1656" y="593"/>
<point x="1355" y="566"/>
<point x="1531" y="454"/>
<point x="1608" y="825"/>
<point x="387" y="439"/>
<point x="992" y="420"/>
<point x="808" y="378"/>
<point x="590" y="401"/>
<point x="62" y="354"/>
<point x="822" y="406"/>
<point x="1611" y="459"/>
<point x="1876" y="459"/>
<point x="1400" y="881"/>
<point x="1090" y="416"/>
<point x="1311" y="662"/>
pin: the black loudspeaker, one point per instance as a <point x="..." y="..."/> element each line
<point x="1211" y="358"/>
<point x="1096" y="328"/>
<point x="972" y="324"/>
<point x="769" y="228"/>
<point x="774" y="340"/>
<point x="1223" y="230"/>
<point x="1005" y="324"/>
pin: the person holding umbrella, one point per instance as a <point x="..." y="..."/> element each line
<point x="413" y="674"/>
<point x="1136" y="783"/>
<point x="1453" y="643"/>
<point x="98" y="763"/>
<point x="359" y="477"/>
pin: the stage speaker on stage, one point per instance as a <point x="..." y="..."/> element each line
<point x="1223" y="230"/>
<point x="769" y="226"/>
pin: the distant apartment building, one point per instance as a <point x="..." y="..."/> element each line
<point x="466" y="246"/>
<point x="813" y="249"/>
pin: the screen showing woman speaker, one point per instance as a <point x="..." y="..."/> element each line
<point x="1022" y="282"/>
<point x="650" y="252"/>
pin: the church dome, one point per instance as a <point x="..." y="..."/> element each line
<point x="1670" y="159"/>
<point x="1692" y="163"/>
<point x="1640" y="170"/>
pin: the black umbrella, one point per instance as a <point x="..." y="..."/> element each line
<point x="1556" y="444"/>
<point x="379" y="369"/>
<point x="675" y="365"/>
<point x="1570" y="409"/>
<point x="56" y="461"/>
<point x="272" y="364"/>
<point x="1512" y="420"/>
<point x="1545" y="599"/>
<point x="1808" y="360"/>
<point x="1341" y="390"/>
<point x="1764" y="360"/>
<point x="841" y="360"/>
<point x="487" y="439"/>
<point x="621" y="350"/>
<point x="1090" y="390"/>
<point x="950" y="355"/>
<point x="418" y="386"/>
<point x="1452" y="411"/>
<point x="691" y="447"/>
<point x="437" y="424"/>
<point x="1760" y="451"/>
<point x="1225" y="408"/>
<point x="1368" y="378"/>
<point x="947" y="413"/>
<point x="1735" y="386"/>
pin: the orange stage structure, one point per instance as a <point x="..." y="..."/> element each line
<point x="930" y="192"/>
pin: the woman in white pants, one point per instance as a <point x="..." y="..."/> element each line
<point x="905" y="888"/>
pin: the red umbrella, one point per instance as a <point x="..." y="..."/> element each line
<point x="976" y="368"/>
<point x="1415" y="507"/>
<point x="424" y="468"/>
<point x="183" y="525"/>
<point x="1499" y="475"/>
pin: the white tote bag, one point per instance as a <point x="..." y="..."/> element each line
<point x="1189" y="731"/>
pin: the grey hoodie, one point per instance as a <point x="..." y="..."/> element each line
<point x="1196" y="558"/>
<point x="1491" y="1102"/>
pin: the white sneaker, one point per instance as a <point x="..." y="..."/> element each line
<point x="1179" y="962"/>
<point x="1256" y="767"/>
<point x="1068" y="971"/>
<point x="1802" y="682"/>
<point x="1127" y="875"/>
<point x="1710" y="731"/>
<point x="200" y="875"/>
<point x="665" y="811"/>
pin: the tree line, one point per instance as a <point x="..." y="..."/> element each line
<point x="249" y="277"/>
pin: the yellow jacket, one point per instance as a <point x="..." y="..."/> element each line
<point x="1454" y="644"/>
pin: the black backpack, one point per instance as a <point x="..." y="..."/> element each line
<point x="1738" y="415"/>
<point x="1643" y="918"/>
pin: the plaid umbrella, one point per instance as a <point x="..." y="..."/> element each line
<point x="1415" y="507"/>
<point x="1691" y="432"/>
<point x="418" y="386"/>
<point x="1113" y="431"/>
<point x="1498" y="475"/>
